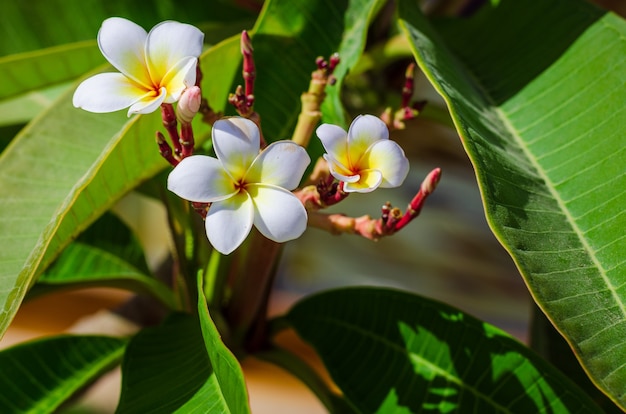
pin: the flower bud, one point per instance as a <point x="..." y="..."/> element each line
<point x="189" y="104"/>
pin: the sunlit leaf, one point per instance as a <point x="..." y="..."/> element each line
<point x="38" y="376"/>
<point x="394" y="352"/>
<point x="167" y="369"/>
<point x="537" y="95"/>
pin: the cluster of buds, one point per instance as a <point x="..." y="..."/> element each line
<point x="407" y="110"/>
<point x="249" y="183"/>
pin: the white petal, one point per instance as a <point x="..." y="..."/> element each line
<point x="122" y="43"/>
<point x="388" y="158"/>
<point x="200" y="178"/>
<point x="168" y="43"/>
<point x="148" y="103"/>
<point x="368" y="181"/>
<point x="365" y="131"/>
<point x="236" y="142"/>
<point x="228" y="222"/>
<point x="282" y="164"/>
<point x="180" y="77"/>
<point x="340" y="172"/>
<point x="335" y="142"/>
<point x="278" y="214"/>
<point x="107" y="92"/>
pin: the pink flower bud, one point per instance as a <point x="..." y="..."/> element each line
<point x="189" y="104"/>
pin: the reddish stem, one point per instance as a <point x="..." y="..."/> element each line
<point x="169" y="122"/>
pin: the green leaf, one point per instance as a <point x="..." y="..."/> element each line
<point x="23" y="108"/>
<point x="288" y="37"/>
<point x="537" y="96"/>
<point x="37" y="24"/>
<point x="167" y="369"/>
<point x="228" y="376"/>
<point x="81" y="266"/>
<point x="38" y="376"/>
<point x="34" y="70"/>
<point x="358" y="17"/>
<point x="394" y="352"/>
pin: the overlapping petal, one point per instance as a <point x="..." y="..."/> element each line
<point x="371" y="160"/>
<point x="282" y="164"/>
<point x="236" y="142"/>
<point x="122" y="43"/>
<point x="159" y="65"/>
<point x="229" y="222"/>
<point x="170" y="42"/>
<point x="278" y="214"/>
<point x="388" y="158"/>
<point x="106" y="92"/>
<point x="201" y="178"/>
<point x="364" y="131"/>
<point x="335" y="142"/>
<point x="368" y="181"/>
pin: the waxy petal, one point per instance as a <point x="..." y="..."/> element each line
<point x="388" y="158"/>
<point x="364" y="131"/>
<point x="340" y="171"/>
<point x="148" y="103"/>
<point x="107" y="92"/>
<point x="122" y="43"/>
<point x="369" y="180"/>
<point x="168" y="43"/>
<point x="236" y="142"/>
<point x="335" y="142"/>
<point x="229" y="221"/>
<point x="279" y="215"/>
<point x="282" y="164"/>
<point x="201" y="178"/>
<point x="180" y="77"/>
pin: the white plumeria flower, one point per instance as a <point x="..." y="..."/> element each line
<point x="364" y="158"/>
<point x="244" y="186"/>
<point x="155" y="67"/>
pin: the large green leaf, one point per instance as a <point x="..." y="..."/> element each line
<point x="537" y="95"/>
<point x="37" y="24"/>
<point x="167" y="369"/>
<point x="33" y="70"/>
<point x="107" y="254"/>
<point x="38" y="376"/>
<point x="393" y="352"/>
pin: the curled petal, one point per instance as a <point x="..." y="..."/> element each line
<point x="339" y="171"/>
<point x="180" y="77"/>
<point x="200" y="178"/>
<point x="170" y="42"/>
<point x="148" y="103"/>
<point x="278" y="214"/>
<point x="107" y="92"/>
<point x="369" y="180"/>
<point x="122" y="43"/>
<point x="364" y="131"/>
<point x="334" y="140"/>
<point x="388" y="158"/>
<point x="236" y="142"/>
<point x="229" y="221"/>
<point x="282" y="164"/>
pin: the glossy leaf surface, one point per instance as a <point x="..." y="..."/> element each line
<point x="393" y="352"/>
<point x="38" y="376"/>
<point x="537" y="96"/>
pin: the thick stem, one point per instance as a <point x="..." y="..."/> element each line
<point x="251" y="284"/>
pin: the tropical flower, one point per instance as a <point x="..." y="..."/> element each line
<point x="364" y="158"/>
<point x="155" y="67"/>
<point x="244" y="187"/>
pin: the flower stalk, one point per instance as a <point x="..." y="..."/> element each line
<point x="312" y="99"/>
